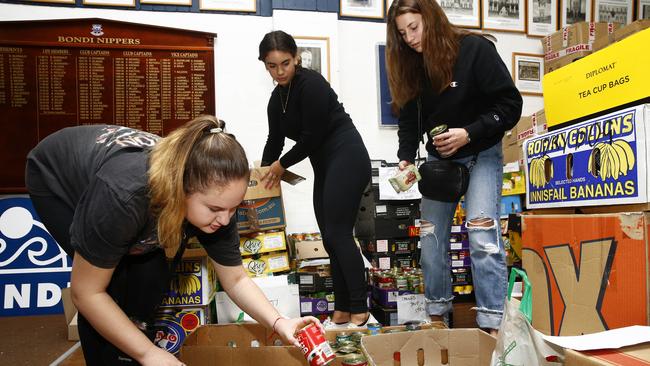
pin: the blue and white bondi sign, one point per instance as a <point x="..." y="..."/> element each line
<point x="33" y="268"/>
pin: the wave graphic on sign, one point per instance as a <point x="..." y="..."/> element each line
<point x="25" y="244"/>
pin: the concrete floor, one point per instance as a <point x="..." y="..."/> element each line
<point x="36" y="340"/>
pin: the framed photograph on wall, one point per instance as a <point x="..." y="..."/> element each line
<point x="128" y="3"/>
<point x="314" y="54"/>
<point x="229" y="5"/>
<point x="167" y="2"/>
<point x="54" y="1"/>
<point x="372" y="9"/>
<point x="574" y="11"/>
<point x="504" y="15"/>
<point x="528" y="72"/>
<point x="643" y="9"/>
<point x="462" y="13"/>
<point x="613" y="11"/>
<point x="387" y="117"/>
<point x="542" y="17"/>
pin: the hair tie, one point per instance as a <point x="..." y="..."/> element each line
<point x="216" y="130"/>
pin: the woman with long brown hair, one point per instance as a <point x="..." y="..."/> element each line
<point x="120" y="201"/>
<point x="441" y="74"/>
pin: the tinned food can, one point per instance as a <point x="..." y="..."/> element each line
<point x="438" y="130"/>
<point x="314" y="346"/>
<point x="374" y="328"/>
<point x="354" y="359"/>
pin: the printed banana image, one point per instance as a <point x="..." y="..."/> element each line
<point x="611" y="160"/>
<point x="186" y="284"/>
<point x="537" y="174"/>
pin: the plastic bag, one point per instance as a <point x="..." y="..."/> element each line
<point x="518" y="343"/>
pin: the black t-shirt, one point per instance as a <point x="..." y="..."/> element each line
<point x="308" y="112"/>
<point x="101" y="172"/>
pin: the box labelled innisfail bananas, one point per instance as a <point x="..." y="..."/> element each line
<point x="262" y="208"/>
<point x="265" y="242"/>
<point x="266" y="264"/>
<point x="601" y="161"/>
<point x="173" y="325"/>
<point x="607" y="79"/>
<point x="193" y="283"/>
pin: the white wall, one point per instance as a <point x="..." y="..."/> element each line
<point x="243" y="86"/>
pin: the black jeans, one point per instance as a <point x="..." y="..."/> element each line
<point x="137" y="286"/>
<point x="341" y="173"/>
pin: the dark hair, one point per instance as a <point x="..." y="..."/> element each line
<point x="277" y="41"/>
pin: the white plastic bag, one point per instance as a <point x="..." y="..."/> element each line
<point x="518" y="343"/>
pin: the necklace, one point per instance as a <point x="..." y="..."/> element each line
<point x="286" y="101"/>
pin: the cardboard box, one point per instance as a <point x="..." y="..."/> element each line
<point x="255" y="345"/>
<point x="310" y="282"/>
<point x="268" y="263"/>
<point x="262" y="208"/>
<point x="528" y="126"/>
<point x="194" y="285"/>
<point x="70" y="314"/>
<point x="173" y="325"/>
<point x="389" y="209"/>
<point x="381" y="227"/>
<point x="264" y="242"/>
<point x="560" y="62"/>
<point x="392" y="245"/>
<point x="387" y="298"/>
<point x="574" y="37"/>
<point x="393" y="260"/>
<point x="601" y="161"/>
<point x="607" y="79"/>
<point x="633" y="355"/>
<point x="310" y="249"/>
<point x="621" y="33"/>
<point x="284" y="297"/>
<point x="510" y="205"/>
<point x="467" y="347"/>
<point x="514" y="183"/>
<point x="589" y="273"/>
<point x="316" y="305"/>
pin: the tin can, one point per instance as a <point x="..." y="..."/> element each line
<point x="356" y="337"/>
<point x="401" y="283"/>
<point x="412" y="325"/>
<point x="354" y="359"/>
<point x="403" y="180"/>
<point x="342" y="337"/>
<point x="374" y="328"/>
<point x="385" y="281"/>
<point x="414" y="283"/>
<point x="346" y="350"/>
<point x="438" y="130"/>
<point x="314" y="346"/>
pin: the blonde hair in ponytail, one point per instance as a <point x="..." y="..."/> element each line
<point x="194" y="157"/>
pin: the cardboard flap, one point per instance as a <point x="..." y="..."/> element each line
<point x="68" y="306"/>
<point x="423" y="343"/>
<point x="221" y="335"/>
<point x="208" y="355"/>
<point x="256" y="188"/>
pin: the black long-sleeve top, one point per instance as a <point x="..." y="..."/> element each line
<point x="313" y="113"/>
<point x="482" y="98"/>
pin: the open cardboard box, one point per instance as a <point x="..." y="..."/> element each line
<point x="70" y="314"/>
<point x="468" y="347"/>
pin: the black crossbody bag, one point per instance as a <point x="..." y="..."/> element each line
<point x="442" y="180"/>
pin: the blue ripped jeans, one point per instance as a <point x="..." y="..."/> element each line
<point x="489" y="272"/>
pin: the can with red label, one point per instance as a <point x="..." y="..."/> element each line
<point x="314" y="346"/>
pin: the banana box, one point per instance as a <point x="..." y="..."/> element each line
<point x="266" y="264"/>
<point x="257" y="243"/>
<point x="601" y="161"/>
<point x="173" y="325"/>
<point x="193" y="283"/>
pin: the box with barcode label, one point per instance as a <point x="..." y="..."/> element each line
<point x="265" y="264"/>
<point x="264" y="242"/>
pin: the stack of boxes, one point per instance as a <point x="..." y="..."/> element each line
<point x="314" y="279"/>
<point x="587" y="261"/>
<point x="260" y="221"/>
<point x="189" y="303"/>
<point x="389" y="239"/>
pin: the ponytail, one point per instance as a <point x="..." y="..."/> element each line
<point x="194" y="157"/>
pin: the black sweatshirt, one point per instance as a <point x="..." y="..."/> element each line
<point x="313" y="113"/>
<point x="482" y="98"/>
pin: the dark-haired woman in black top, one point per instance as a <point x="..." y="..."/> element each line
<point x="304" y="108"/>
